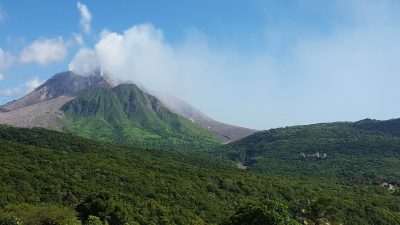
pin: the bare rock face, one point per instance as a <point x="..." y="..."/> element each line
<point x="41" y="107"/>
<point x="61" y="84"/>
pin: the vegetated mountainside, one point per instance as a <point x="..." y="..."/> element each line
<point x="226" y="133"/>
<point x="127" y="115"/>
<point x="47" y="177"/>
<point x="367" y="150"/>
<point x="40" y="108"/>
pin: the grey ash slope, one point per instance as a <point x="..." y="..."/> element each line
<point x="40" y="108"/>
<point x="226" y="133"/>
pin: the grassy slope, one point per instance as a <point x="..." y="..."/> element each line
<point x="127" y="115"/>
<point x="363" y="151"/>
<point x="45" y="167"/>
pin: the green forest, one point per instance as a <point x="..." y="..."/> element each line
<point x="362" y="152"/>
<point x="50" y="178"/>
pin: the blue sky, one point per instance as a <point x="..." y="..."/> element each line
<point x="259" y="64"/>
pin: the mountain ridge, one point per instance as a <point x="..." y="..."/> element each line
<point x="42" y="107"/>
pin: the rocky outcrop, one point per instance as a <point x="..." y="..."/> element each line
<point x="61" y="84"/>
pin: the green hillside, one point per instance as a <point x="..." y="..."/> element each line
<point x="387" y="126"/>
<point x="47" y="177"/>
<point x="365" y="151"/>
<point x="125" y="115"/>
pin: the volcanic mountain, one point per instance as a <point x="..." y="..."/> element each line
<point x="93" y="106"/>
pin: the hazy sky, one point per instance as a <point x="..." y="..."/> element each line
<point x="258" y="64"/>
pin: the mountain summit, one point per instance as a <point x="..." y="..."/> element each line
<point x="61" y="84"/>
<point x="93" y="106"/>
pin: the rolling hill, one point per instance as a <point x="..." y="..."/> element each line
<point x="367" y="151"/>
<point x="48" y="177"/>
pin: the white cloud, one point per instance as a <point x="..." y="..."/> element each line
<point x="191" y="70"/>
<point x="44" y="51"/>
<point x="14" y="91"/>
<point x="86" y="17"/>
<point x="85" y="62"/>
<point x="352" y="73"/>
<point x="6" y="59"/>
<point x="347" y="73"/>
<point x="32" y="84"/>
<point x="41" y="51"/>
<point x="139" y="54"/>
<point x="22" y="89"/>
<point x="1" y="77"/>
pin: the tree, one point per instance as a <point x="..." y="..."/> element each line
<point x="267" y="212"/>
<point x="118" y="216"/>
<point x="317" y="211"/>
<point x="10" y="221"/>
<point x="93" y="220"/>
<point x="49" y="221"/>
<point x="102" y="206"/>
